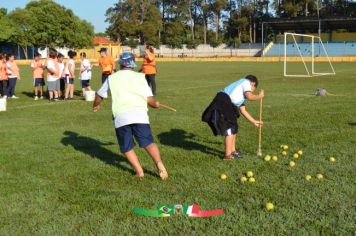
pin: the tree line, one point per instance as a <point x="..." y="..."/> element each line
<point x="44" y="23"/>
<point x="193" y="22"/>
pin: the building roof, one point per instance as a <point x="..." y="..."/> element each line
<point x="100" y="40"/>
<point x="312" y="23"/>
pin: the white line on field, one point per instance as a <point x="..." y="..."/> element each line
<point x="196" y="87"/>
<point x="45" y="104"/>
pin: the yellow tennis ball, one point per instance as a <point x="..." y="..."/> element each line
<point x="332" y="159"/>
<point x="295" y="155"/>
<point x="249" y="173"/>
<point x="267" y="158"/>
<point x="284" y="153"/>
<point x="251" y="180"/>
<point x="300" y="152"/>
<point x="269" y="206"/>
<point x="259" y="154"/>
<point x="308" y="177"/>
<point x="285" y="147"/>
<point x="319" y="176"/>
<point x="291" y="163"/>
<point x="274" y="158"/>
<point x="281" y="146"/>
<point x="223" y="177"/>
<point x="243" y="179"/>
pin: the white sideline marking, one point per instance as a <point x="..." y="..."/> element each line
<point x="45" y="104"/>
<point x="196" y="87"/>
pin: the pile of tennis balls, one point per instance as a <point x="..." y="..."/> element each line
<point x="248" y="177"/>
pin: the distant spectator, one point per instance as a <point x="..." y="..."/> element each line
<point x="38" y="76"/>
<point x="85" y="73"/>
<point x="149" y="68"/>
<point x="3" y="76"/>
<point x="13" y="73"/>
<point x="70" y="68"/>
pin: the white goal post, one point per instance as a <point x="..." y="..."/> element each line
<point x="310" y="58"/>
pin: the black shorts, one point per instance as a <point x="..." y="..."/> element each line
<point x="85" y="83"/>
<point x="104" y="77"/>
<point x="69" y="80"/>
<point x="62" y="83"/>
<point x="39" y="82"/>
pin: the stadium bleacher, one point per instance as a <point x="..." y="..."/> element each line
<point x="333" y="49"/>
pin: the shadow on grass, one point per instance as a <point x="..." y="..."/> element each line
<point x="352" y="124"/>
<point x="181" y="139"/>
<point x="94" y="148"/>
<point x="28" y="94"/>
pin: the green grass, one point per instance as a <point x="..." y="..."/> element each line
<point x="61" y="171"/>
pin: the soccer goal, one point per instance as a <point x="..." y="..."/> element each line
<point x="305" y="56"/>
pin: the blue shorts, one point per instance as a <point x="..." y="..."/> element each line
<point x="39" y="82"/>
<point x="85" y="83"/>
<point x="125" y="136"/>
<point x="231" y="131"/>
<point x="69" y="80"/>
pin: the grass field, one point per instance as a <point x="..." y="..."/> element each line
<point x="61" y="171"/>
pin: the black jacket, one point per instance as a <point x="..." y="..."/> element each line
<point x="221" y="114"/>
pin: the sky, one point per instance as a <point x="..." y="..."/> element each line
<point x="90" y="10"/>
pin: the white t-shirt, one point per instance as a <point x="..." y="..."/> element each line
<point x="130" y="116"/>
<point x="61" y="69"/>
<point x="50" y="65"/>
<point x="71" y="63"/>
<point x="236" y="91"/>
<point x="86" y="66"/>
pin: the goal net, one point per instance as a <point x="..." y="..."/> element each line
<point x="305" y="56"/>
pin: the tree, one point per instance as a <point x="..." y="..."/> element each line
<point x="61" y="28"/>
<point x="134" y="19"/>
<point x="22" y="22"/>
<point x="7" y="29"/>
<point x="217" y="6"/>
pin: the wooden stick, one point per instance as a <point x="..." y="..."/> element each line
<point x="260" y="128"/>
<point x="168" y="107"/>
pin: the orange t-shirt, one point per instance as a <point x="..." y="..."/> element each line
<point x="37" y="68"/>
<point x="149" y="67"/>
<point x="3" y="71"/>
<point x="107" y="64"/>
<point x="14" y="70"/>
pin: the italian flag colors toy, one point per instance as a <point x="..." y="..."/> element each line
<point x="163" y="210"/>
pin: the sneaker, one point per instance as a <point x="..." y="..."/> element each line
<point x="4" y="97"/>
<point x="14" y="97"/>
<point x="41" y="97"/>
<point x="237" y="154"/>
<point x="36" y="98"/>
<point x="230" y="158"/>
<point x="56" y="99"/>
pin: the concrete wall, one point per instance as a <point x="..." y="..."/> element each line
<point x="245" y="50"/>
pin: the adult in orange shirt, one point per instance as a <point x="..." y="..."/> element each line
<point x="38" y="76"/>
<point x="107" y="64"/>
<point x="3" y="75"/>
<point x="149" y="68"/>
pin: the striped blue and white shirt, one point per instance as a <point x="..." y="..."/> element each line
<point x="236" y="91"/>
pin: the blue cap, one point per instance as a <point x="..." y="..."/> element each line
<point x="127" y="59"/>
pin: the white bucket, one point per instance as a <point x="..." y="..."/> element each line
<point x="2" y="104"/>
<point x="89" y="96"/>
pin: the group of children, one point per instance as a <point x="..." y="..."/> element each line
<point x="60" y="75"/>
<point x="9" y="74"/>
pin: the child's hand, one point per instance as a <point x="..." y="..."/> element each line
<point x="261" y="94"/>
<point x="157" y="105"/>
<point x="258" y="124"/>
